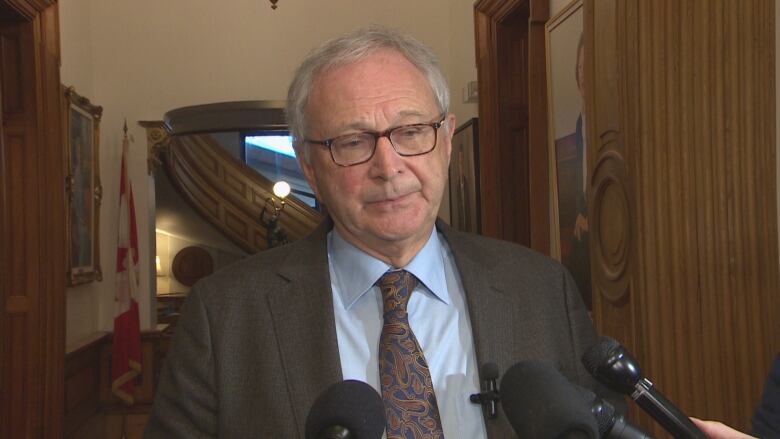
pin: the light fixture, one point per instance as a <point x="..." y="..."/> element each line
<point x="273" y="4"/>
<point x="158" y="266"/>
<point x="274" y="233"/>
<point x="282" y="190"/>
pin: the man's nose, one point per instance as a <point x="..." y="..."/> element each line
<point x="386" y="162"/>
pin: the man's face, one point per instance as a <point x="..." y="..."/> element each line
<point x="390" y="200"/>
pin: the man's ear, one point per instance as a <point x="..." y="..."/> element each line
<point x="448" y="132"/>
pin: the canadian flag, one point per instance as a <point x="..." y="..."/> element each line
<point x="126" y="358"/>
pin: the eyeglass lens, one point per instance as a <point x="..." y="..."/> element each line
<point x="407" y="140"/>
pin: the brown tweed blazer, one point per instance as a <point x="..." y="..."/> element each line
<point x="256" y="342"/>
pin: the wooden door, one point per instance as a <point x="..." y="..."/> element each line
<point x="513" y="120"/>
<point x="684" y="243"/>
<point x="32" y="262"/>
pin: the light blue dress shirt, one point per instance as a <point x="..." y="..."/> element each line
<point x="438" y="316"/>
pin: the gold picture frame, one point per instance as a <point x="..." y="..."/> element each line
<point x="567" y="148"/>
<point x="84" y="193"/>
<point x="464" y="178"/>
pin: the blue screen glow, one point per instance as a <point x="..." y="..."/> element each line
<point x="279" y="144"/>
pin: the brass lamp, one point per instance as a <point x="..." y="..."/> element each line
<point x="272" y="209"/>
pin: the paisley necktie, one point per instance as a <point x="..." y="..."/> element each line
<point x="407" y="389"/>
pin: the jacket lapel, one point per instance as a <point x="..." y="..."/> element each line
<point x="495" y="307"/>
<point x="303" y="320"/>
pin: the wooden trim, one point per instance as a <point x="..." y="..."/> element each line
<point x="225" y="116"/>
<point x="539" y="181"/>
<point x="30" y="9"/>
<point x="33" y="346"/>
<point x="526" y="219"/>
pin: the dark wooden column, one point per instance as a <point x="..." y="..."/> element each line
<point x="32" y="223"/>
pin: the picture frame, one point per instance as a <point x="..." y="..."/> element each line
<point x="567" y="145"/>
<point x="465" y="209"/>
<point x="84" y="192"/>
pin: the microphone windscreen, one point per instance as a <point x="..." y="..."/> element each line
<point x="350" y="404"/>
<point x="540" y="403"/>
<point x="598" y="354"/>
<point x="602" y="411"/>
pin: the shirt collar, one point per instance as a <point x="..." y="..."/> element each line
<point x="355" y="271"/>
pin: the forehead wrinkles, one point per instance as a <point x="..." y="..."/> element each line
<point x="355" y="95"/>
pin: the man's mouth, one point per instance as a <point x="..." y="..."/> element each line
<point x="391" y="199"/>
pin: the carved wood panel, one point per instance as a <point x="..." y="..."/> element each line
<point x="684" y="195"/>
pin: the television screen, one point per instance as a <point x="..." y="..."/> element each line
<point x="277" y="142"/>
<point x="272" y="155"/>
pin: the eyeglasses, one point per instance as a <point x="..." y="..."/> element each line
<point x="407" y="140"/>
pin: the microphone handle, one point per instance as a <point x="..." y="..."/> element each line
<point x="336" y="432"/>
<point x="663" y="411"/>
<point x="623" y="429"/>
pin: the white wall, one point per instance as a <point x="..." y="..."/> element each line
<point x="76" y="49"/>
<point x="142" y="58"/>
<point x="557" y="5"/>
<point x="463" y="57"/>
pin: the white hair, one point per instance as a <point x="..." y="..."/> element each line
<point x="349" y="49"/>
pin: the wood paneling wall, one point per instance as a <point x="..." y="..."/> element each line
<point x="683" y="191"/>
<point x="91" y="410"/>
<point x="32" y="232"/>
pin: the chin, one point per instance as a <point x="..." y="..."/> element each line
<point x="399" y="228"/>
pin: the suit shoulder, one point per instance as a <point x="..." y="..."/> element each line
<point x="501" y="252"/>
<point x="244" y="275"/>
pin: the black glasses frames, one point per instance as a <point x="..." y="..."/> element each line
<point x="368" y="152"/>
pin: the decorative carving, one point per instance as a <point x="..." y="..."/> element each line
<point x="682" y="143"/>
<point x="611" y="226"/>
<point x="157" y="141"/>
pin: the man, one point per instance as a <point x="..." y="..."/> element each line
<point x="260" y="340"/>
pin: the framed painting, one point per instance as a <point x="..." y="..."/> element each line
<point x="464" y="178"/>
<point x="81" y="121"/>
<point x="569" y="236"/>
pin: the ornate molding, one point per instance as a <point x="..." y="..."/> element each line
<point x="611" y="226"/>
<point x="157" y="142"/>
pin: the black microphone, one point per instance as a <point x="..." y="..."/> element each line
<point x="540" y="403"/>
<point x="612" y="425"/>
<point x="347" y="410"/>
<point x="613" y="366"/>
<point x="489" y="397"/>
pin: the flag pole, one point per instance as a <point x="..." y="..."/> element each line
<point x="126" y="355"/>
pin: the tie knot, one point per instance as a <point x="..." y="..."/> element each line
<point x="396" y="287"/>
